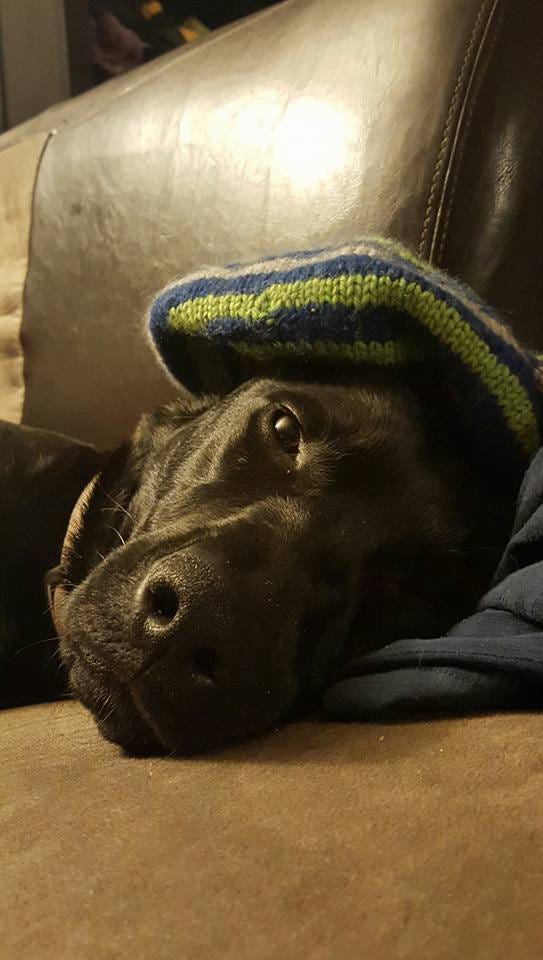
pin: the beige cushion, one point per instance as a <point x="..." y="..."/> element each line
<point x="18" y="170"/>
<point x="320" y="842"/>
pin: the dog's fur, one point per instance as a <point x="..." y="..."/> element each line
<point x="41" y="476"/>
<point x="217" y="567"/>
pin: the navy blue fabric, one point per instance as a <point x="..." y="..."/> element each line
<point x="311" y="323"/>
<point x="493" y="660"/>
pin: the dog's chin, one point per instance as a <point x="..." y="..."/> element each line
<point x="113" y="711"/>
<point x="131" y="717"/>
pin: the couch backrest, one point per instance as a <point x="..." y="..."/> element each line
<point x="312" y="123"/>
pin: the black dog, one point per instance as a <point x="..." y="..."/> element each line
<point x="221" y="562"/>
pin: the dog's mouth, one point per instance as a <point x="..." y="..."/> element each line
<point x="174" y="705"/>
<point x="142" y="724"/>
<point x="114" y="711"/>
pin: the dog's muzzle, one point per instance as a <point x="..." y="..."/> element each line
<point x="201" y="649"/>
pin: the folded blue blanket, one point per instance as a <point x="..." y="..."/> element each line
<point x="374" y="302"/>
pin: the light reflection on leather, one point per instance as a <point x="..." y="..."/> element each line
<point x="308" y="141"/>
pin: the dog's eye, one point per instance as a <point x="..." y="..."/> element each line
<point x="287" y="430"/>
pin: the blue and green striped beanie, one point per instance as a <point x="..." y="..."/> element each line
<point x="367" y="302"/>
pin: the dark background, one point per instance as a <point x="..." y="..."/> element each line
<point x="50" y="50"/>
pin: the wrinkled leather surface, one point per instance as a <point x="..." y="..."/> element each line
<point x="491" y="229"/>
<point x="312" y="123"/>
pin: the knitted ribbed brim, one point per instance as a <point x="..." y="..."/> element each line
<point x="368" y="302"/>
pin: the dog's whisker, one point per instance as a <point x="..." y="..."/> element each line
<point x="495" y="550"/>
<point x="108" y="715"/>
<point x="105" y="703"/>
<point x="117" y="504"/>
<point x="119" y="534"/>
<point x="35" y="643"/>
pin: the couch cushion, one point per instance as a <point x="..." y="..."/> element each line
<point x="18" y="170"/>
<point x="320" y="841"/>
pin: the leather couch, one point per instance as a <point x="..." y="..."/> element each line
<point x="311" y="123"/>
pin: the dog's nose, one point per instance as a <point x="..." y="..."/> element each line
<point x="183" y="602"/>
<point x="215" y="643"/>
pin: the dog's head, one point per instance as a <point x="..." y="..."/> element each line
<point x="226" y="557"/>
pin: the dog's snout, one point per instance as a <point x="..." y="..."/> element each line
<point x="181" y="603"/>
<point x="202" y="665"/>
<point x="214" y="640"/>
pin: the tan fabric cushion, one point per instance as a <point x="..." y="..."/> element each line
<point x="18" y="171"/>
<point x="419" y="842"/>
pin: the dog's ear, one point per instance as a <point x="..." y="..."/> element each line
<point x="41" y="476"/>
<point x="103" y="516"/>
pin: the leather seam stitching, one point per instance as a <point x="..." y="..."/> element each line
<point x="467" y="127"/>
<point x="446" y="139"/>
